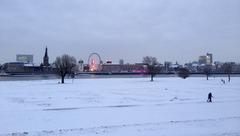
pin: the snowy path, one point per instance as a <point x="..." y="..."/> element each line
<point x="158" y="119"/>
<point x="170" y="108"/>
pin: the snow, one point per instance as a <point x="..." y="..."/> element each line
<point x="120" y="106"/>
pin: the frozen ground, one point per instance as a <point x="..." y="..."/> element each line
<point x="120" y="107"/>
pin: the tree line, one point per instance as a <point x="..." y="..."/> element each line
<point x="65" y="64"/>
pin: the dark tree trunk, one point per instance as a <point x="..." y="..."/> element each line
<point x="151" y="78"/>
<point x="207" y="77"/>
<point x="62" y="79"/>
<point x="229" y="78"/>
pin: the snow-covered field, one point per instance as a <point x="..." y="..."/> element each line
<point x="120" y="107"/>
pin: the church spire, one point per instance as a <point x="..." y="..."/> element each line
<point x="46" y="58"/>
<point x="46" y="53"/>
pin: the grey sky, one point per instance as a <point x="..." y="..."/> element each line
<point x="171" y="30"/>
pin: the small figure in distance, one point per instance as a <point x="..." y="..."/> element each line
<point x="223" y="81"/>
<point x="209" y="97"/>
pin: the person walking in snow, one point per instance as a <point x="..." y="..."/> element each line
<point x="223" y="81"/>
<point x="209" y="97"/>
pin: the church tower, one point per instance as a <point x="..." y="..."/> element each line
<point x="46" y="58"/>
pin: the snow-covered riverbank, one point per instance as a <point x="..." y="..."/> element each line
<point x="120" y="106"/>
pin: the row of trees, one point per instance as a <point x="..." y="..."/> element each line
<point x="154" y="69"/>
<point x="227" y="67"/>
<point x="64" y="66"/>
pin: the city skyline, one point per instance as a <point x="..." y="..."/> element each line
<point x="169" y="30"/>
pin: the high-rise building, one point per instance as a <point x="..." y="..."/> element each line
<point x="202" y="60"/>
<point x="206" y="59"/>
<point x="121" y="62"/>
<point x="209" y="58"/>
<point x="46" y="58"/>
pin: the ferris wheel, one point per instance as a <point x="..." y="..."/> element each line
<point x="94" y="62"/>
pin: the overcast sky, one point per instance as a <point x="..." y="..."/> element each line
<point x="171" y="30"/>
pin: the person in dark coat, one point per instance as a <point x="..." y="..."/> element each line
<point x="210" y="97"/>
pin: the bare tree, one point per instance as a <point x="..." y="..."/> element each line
<point x="183" y="73"/>
<point x="149" y="60"/>
<point x="207" y="70"/>
<point x="228" y="70"/>
<point x="151" y="63"/>
<point x="64" y="65"/>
